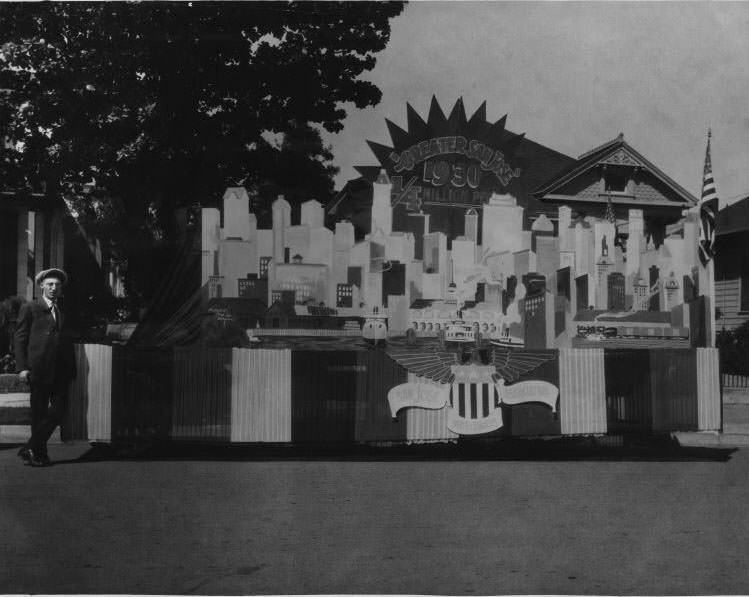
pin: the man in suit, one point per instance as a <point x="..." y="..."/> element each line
<point x="44" y="358"/>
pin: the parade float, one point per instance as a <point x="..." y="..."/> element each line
<point x="468" y="239"/>
<point x="472" y="283"/>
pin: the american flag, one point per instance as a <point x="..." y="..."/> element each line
<point x="610" y="216"/>
<point x="708" y="209"/>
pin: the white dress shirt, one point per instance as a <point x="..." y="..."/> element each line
<point x="50" y="304"/>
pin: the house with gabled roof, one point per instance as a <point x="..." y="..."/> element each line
<point x="732" y="265"/>
<point x="628" y="233"/>
<point x="617" y="173"/>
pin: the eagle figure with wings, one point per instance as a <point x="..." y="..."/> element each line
<point x="469" y="380"/>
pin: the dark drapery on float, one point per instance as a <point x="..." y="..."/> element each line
<point x="534" y="418"/>
<point x="175" y="315"/>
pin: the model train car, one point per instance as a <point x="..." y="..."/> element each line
<point x="600" y="332"/>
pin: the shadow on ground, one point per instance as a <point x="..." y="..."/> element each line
<point x="609" y="448"/>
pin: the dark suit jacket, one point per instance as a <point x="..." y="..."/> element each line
<point x="42" y="346"/>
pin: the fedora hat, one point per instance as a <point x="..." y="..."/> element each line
<point x="51" y="273"/>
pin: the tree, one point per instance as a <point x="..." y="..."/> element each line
<point x="297" y="167"/>
<point x="131" y="110"/>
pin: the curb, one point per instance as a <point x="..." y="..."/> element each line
<point x="712" y="439"/>
<point x="19" y="434"/>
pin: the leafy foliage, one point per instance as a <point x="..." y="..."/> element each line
<point x="131" y="110"/>
<point x="9" y="309"/>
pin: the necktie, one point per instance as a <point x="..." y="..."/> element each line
<point x="56" y="314"/>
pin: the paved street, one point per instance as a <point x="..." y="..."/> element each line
<point x="207" y="524"/>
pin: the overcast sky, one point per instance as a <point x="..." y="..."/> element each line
<point x="572" y="76"/>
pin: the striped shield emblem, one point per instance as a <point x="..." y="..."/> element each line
<point x="474" y="400"/>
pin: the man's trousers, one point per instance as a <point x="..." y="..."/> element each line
<point x="48" y="404"/>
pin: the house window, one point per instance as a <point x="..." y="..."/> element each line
<point x="616" y="180"/>
<point x="744" y="291"/>
<point x="344" y="296"/>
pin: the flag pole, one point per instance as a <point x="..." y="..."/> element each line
<point x="707" y="281"/>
